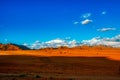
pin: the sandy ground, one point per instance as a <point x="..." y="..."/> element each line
<point x="111" y="53"/>
<point x="60" y="64"/>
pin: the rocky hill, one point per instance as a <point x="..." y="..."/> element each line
<point x="11" y="46"/>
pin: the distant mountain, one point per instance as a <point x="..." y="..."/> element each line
<point x="22" y="47"/>
<point x="82" y="47"/>
<point x="12" y="47"/>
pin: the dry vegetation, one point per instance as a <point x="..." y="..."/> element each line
<point x="79" y="63"/>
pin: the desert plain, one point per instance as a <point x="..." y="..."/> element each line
<point x="78" y="63"/>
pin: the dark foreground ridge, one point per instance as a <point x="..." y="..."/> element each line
<point x="58" y="68"/>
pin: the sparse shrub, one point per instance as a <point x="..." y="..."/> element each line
<point x="60" y="52"/>
<point x="51" y="78"/>
<point x="14" y="79"/>
<point x="22" y="75"/>
<point x="71" y="79"/>
<point x="65" y="52"/>
<point x="37" y="76"/>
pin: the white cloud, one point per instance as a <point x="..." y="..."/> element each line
<point x="86" y="15"/>
<point x="54" y="43"/>
<point x="106" y="29"/>
<point x="73" y="43"/>
<point x="37" y="41"/>
<point x="68" y="38"/>
<point x="86" y="21"/>
<point x="62" y="42"/>
<point x="76" y="22"/>
<point x="104" y="12"/>
<point x="114" y="41"/>
<point x="6" y="40"/>
<point x="25" y="44"/>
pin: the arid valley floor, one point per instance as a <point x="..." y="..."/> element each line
<point x="61" y="64"/>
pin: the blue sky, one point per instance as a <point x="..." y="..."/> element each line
<point x="25" y="21"/>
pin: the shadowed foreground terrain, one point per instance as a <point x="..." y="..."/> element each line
<point x="58" y="68"/>
<point x="61" y="64"/>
